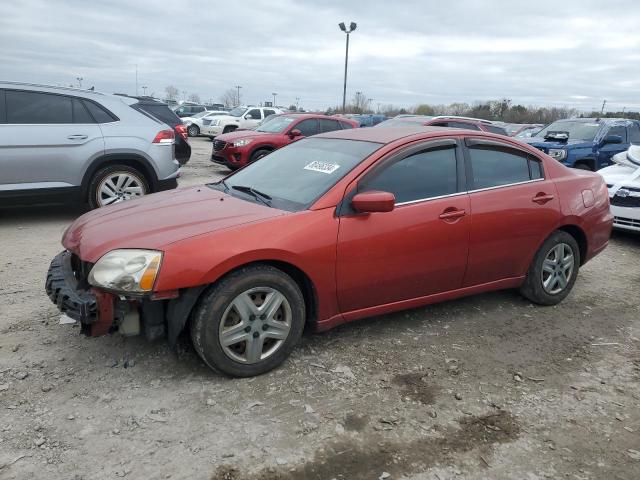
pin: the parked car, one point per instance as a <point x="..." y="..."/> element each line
<point x="194" y="124"/>
<point x="239" y="117"/>
<point x="330" y="229"/>
<point x="236" y="149"/>
<point x="517" y="129"/>
<point x="367" y="120"/>
<point x="163" y="112"/>
<point x="586" y="143"/>
<point x="64" y="144"/>
<point x="529" y="132"/>
<point x="188" y="109"/>
<point x="405" y="121"/>
<point x="447" y="121"/>
<point x="623" y="181"/>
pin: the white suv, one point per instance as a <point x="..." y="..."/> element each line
<point x="239" y="117"/>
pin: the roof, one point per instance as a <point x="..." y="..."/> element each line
<point x="599" y="119"/>
<point x="386" y="135"/>
<point x="456" y="117"/>
<point x="17" y="85"/>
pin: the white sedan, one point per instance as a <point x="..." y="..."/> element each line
<point x="623" y="180"/>
<point x="194" y="124"/>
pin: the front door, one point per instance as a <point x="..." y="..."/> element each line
<point x="514" y="208"/>
<point x="418" y="249"/>
<point x="607" y="150"/>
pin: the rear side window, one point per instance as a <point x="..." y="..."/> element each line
<point x="254" y="114"/>
<point x="3" y="112"/>
<point x="427" y="174"/>
<point x="494" y="166"/>
<point x="495" y="129"/>
<point x="327" y="125"/>
<point x="268" y="112"/>
<point x="80" y="113"/>
<point x="633" y="130"/>
<point x="37" y="108"/>
<point x="99" y="114"/>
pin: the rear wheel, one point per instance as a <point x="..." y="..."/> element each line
<point x="115" y="184"/>
<point x="553" y="271"/>
<point x="193" y="130"/>
<point x="249" y="322"/>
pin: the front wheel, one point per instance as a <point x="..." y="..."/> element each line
<point x="258" y="154"/>
<point x="249" y="322"/>
<point x="115" y="184"/>
<point x="193" y="130"/>
<point x="553" y="271"/>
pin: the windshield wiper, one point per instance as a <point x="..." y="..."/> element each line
<point x="262" y="197"/>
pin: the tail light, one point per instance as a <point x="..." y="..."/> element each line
<point x="182" y="131"/>
<point x="165" y="136"/>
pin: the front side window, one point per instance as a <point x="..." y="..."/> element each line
<point x="254" y="114"/>
<point x="310" y="166"/>
<point x="634" y="133"/>
<point x="307" y="127"/>
<point x="619" y="130"/>
<point x="427" y="174"/>
<point x="327" y="125"/>
<point x="496" y="166"/>
<point x="37" y="108"/>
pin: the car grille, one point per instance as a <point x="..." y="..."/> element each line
<point x="627" y="197"/>
<point x="206" y="122"/>
<point x="218" y="145"/>
<point x="626" y="222"/>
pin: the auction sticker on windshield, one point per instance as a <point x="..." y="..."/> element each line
<point x="322" y="167"/>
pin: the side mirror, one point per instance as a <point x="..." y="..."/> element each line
<point x="248" y="117"/>
<point x="295" y="133"/>
<point x="612" y="139"/>
<point x="373" y="201"/>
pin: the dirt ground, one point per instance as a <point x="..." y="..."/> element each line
<point x="484" y="387"/>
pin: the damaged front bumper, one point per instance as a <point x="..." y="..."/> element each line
<point x="100" y="312"/>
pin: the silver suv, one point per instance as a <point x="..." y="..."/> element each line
<point x="62" y="144"/>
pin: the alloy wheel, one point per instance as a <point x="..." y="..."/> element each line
<point x="119" y="186"/>
<point x="255" y="325"/>
<point x="557" y="268"/>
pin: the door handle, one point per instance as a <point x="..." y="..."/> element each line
<point x="77" y="137"/>
<point x="452" y="214"/>
<point x="542" y="198"/>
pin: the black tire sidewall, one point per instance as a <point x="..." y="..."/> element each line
<point x="533" y="288"/>
<point x="211" y="307"/>
<point x="195" y="128"/>
<point x="92" y="196"/>
<point x="258" y="154"/>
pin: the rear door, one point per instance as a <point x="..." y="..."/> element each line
<point x="328" y="125"/>
<point x="46" y="140"/>
<point x="418" y="249"/>
<point x="514" y="207"/>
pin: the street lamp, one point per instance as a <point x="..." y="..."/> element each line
<point x="79" y="79"/>
<point x="274" y="98"/>
<point x="352" y="27"/>
<point x="238" y="87"/>
<point x="144" y="90"/>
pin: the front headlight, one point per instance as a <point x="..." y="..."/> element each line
<point x="127" y="270"/>
<point x="558" y="153"/>
<point x="241" y="143"/>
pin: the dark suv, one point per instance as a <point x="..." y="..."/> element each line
<point x="188" y="110"/>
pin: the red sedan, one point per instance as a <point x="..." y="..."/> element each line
<point x="327" y="230"/>
<point x="237" y="148"/>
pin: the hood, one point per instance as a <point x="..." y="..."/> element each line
<point x="616" y="174"/>
<point x="160" y="219"/>
<point x="541" y="143"/>
<point x="241" y="134"/>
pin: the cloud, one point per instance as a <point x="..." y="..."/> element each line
<point x="574" y="53"/>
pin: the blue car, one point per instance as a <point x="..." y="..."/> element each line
<point x="586" y="143"/>
<point x="368" y="120"/>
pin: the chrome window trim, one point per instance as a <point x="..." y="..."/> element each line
<point x="466" y="192"/>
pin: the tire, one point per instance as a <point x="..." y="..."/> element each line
<point x="582" y="166"/>
<point x="229" y="128"/>
<point x="258" y="154"/>
<point x="106" y="178"/>
<point x="217" y="316"/>
<point x="193" y="130"/>
<point x="542" y="285"/>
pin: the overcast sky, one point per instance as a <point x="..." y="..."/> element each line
<point x="560" y="52"/>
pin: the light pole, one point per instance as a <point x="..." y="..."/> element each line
<point x="352" y="27"/>
<point x="144" y="90"/>
<point x="79" y="79"/>
<point x="238" y="87"/>
<point x="274" y="98"/>
<point x="298" y="102"/>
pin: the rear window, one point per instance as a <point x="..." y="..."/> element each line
<point x="495" y="129"/>
<point x="346" y="125"/>
<point x="159" y="111"/>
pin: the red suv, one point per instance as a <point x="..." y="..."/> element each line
<point x="240" y="147"/>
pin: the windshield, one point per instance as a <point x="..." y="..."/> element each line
<point x="576" y="130"/>
<point x="403" y="122"/>
<point x="200" y="114"/>
<point x="276" y="124"/>
<point x="294" y="176"/>
<point x="237" y="112"/>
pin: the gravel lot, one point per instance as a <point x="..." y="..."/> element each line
<point x="484" y="387"/>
